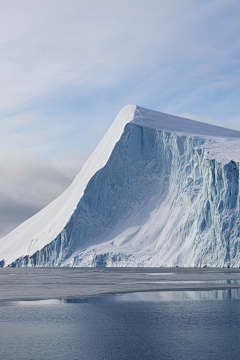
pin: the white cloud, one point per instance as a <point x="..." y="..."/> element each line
<point x="93" y="45"/>
<point x="34" y="168"/>
<point x="30" y="183"/>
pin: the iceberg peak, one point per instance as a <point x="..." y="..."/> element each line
<point x="159" y="190"/>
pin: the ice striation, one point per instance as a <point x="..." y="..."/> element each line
<point x="159" y="190"/>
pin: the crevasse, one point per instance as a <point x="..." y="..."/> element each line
<point x="158" y="201"/>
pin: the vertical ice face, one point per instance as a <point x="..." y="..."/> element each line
<point x="164" y="196"/>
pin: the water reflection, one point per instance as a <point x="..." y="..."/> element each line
<point x="155" y="296"/>
<point x="149" y="296"/>
<point x="137" y="326"/>
<point x="225" y="282"/>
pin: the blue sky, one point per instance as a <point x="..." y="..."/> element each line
<point x="68" y="67"/>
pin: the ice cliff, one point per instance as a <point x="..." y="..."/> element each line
<point x="159" y="190"/>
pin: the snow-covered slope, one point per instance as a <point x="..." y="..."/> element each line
<point x="159" y="190"/>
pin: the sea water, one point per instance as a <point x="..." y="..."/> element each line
<point x="152" y="325"/>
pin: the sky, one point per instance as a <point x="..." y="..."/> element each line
<point x="68" y="67"/>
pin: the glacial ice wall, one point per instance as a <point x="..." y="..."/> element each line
<point x="158" y="201"/>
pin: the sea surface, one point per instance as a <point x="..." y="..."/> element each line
<point x="162" y="325"/>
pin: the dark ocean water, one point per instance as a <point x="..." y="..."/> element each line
<point x="168" y="325"/>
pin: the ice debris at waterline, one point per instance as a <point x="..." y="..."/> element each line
<point x="159" y="190"/>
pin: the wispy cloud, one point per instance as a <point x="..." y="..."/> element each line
<point x="55" y="45"/>
<point x="30" y="183"/>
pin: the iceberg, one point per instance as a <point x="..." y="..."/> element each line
<point x="159" y="190"/>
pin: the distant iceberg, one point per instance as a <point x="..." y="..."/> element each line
<point x="159" y="190"/>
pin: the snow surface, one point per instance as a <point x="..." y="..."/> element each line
<point x="224" y="146"/>
<point x="159" y="190"/>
